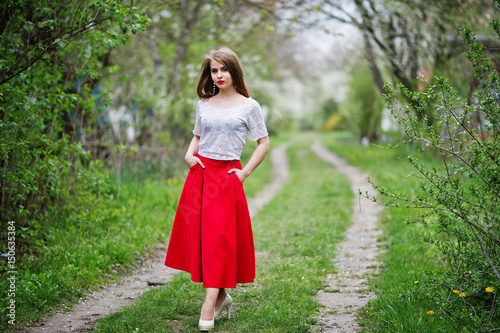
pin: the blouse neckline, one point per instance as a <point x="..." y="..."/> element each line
<point x="233" y="107"/>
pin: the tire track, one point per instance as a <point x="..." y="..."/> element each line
<point x="355" y="257"/>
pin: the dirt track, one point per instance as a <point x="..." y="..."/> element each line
<point x="355" y="257"/>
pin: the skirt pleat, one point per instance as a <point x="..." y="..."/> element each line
<point x="212" y="234"/>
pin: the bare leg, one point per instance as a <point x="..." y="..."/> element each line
<point x="207" y="310"/>
<point x="220" y="298"/>
<point x="213" y="300"/>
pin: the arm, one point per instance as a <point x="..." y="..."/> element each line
<point x="257" y="157"/>
<point x="190" y="159"/>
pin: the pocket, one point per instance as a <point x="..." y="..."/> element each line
<point x="236" y="177"/>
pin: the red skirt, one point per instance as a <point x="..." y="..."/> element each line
<point x="212" y="235"/>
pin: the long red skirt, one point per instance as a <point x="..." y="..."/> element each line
<point x="212" y="234"/>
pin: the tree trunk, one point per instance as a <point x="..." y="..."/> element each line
<point x="370" y="57"/>
<point x="189" y="17"/>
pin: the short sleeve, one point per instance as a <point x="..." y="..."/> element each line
<point x="256" y="124"/>
<point x="197" y="125"/>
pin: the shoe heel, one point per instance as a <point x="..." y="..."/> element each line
<point x="229" y="311"/>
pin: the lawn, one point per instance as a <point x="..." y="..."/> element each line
<point x="295" y="236"/>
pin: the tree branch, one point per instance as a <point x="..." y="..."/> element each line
<point x="31" y="62"/>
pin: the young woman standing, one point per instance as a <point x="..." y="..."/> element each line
<point x="212" y="235"/>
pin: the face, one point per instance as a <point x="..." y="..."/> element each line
<point x="220" y="75"/>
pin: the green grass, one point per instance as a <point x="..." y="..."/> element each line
<point x="295" y="238"/>
<point x="397" y="308"/>
<point x="76" y="253"/>
<point x="260" y="176"/>
<point x="79" y="252"/>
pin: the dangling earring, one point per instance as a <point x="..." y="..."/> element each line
<point x="213" y="90"/>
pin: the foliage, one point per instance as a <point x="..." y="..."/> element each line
<point x="331" y="117"/>
<point x="333" y="122"/>
<point x="364" y="104"/>
<point x="462" y="196"/>
<point x="53" y="54"/>
<point x="401" y="39"/>
<point x="51" y="61"/>
<point x="160" y="68"/>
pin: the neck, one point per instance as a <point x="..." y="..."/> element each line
<point x="228" y="92"/>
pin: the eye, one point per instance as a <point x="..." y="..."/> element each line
<point x="224" y="69"/>
<point x="214" y="70"/>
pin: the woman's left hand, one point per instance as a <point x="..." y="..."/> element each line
<point x="238" y="173"/>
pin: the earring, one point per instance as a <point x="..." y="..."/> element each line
<point x="213" y="90"/>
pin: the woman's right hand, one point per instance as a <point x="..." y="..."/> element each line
<point x="192" y="160"/>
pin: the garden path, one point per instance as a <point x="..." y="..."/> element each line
<point x="83" y="315"/>
<point x="355" y="259"/>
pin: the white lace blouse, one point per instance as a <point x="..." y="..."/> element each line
<point x="223" y="131"/>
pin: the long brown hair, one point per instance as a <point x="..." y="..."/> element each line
<point x="230" y="60"/>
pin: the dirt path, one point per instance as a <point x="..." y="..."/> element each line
<point x="355" y="257"/>
<point x="83" y="315"/>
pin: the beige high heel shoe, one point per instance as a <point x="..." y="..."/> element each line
<point x="228" y="303"/>
<point x="206" y="325"/>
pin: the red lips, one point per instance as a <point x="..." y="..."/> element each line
<point x="220" y="82"/>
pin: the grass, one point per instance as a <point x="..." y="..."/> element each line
<point x="260" y="176"/>
<point x="76" y="253"/>
<point x="79" y="252"/>
<point x="295" y="237"/>
<point x="397" y="308"/>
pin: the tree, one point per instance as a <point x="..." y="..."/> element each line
<point x="159" y="69"/>
<point x="401" y="38"/>
<point x="52" y="57"/>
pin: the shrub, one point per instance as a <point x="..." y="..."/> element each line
<point x="364" y="104"/>
<point x="52" y="57"/>
<point x="461" y="197"/>
<point x="53" y="53"/>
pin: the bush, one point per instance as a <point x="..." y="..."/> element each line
<point x="364" y="104"/>
<point x="52" y="57"/>
<point x="333" y="122"/>
<point x="462" y="196"/>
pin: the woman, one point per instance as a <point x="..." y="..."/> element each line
<point x="212" y="235"/>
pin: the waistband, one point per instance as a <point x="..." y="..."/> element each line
<point x="221" y="163"/>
